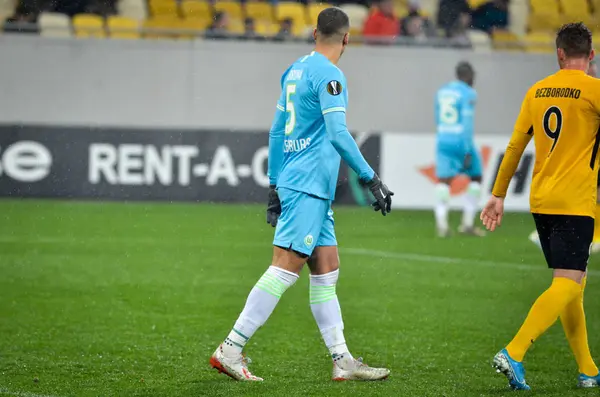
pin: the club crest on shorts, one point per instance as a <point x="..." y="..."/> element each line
<point x="308" y="240"/>
<point x="334" y="87"/>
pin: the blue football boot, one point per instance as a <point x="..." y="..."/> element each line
<point x="513" y="370"/>
<point x="588" y="382"/>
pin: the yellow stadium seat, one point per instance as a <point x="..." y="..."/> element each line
<point x="162" y="27"/>
<point x="476" y="3"/>
<point x="576" y="11"/>
<point x="196" y="9"/>
<point x="266" y="28"/>
<point x="313" y="10"/>
<point x="539" y="43"/>
<point x="260" y="11"/>
<point x="544" y="16"/>
<point x="569" y="5"/>
<point x="232" y="8"/>
<point x="159" y="8"/>
<point x="295" y="12"/>
<point x="506" y="40"/>
<point x="400" y="10"/>
<point x="123" y="28"/>
<point x="544" y="21"/>
<point x="193" y="27"/>
<point x="539" y="6"/>
<point x="236" y="26"/>
<point x="88" y="25"/>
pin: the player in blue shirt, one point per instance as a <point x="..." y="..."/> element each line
<point x="456" y="150"/>
<point x="306" y="142"/>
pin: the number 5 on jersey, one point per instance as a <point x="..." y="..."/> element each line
<point x="553" y="133"/>
<point x="290" y="90"/>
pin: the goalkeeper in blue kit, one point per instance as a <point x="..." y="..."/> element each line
<point x="306" y="142"/>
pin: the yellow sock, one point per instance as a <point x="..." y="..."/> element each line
<point x="543" y="314"/>
<point x="597" y="225"/>
<point x="573" y="322"/>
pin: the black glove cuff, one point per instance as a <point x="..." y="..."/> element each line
<point x="374" y="181"/>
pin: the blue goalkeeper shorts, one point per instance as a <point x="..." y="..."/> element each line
<point x="450" y="162"/>
<point x="306" y="222"/>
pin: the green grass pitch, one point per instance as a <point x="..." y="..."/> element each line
<point x="110" y="299"/>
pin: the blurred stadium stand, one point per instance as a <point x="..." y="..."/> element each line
<point x="532" y="23"/>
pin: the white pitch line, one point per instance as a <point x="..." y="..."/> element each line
<point x="22" y="393"/>
<point x="349" y="251"/>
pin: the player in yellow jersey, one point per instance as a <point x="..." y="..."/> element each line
<point x="593" y="71"/>
<point x="534" y="236"/>
<point x="562" y="115"/>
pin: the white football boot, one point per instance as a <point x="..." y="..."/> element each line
<point x="471" y="231"/>
<point x="234" y="367"/>
<point x="443" y="233"/>
<point x="361" y="371"/>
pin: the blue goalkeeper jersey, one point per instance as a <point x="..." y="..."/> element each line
<point x="313" y="104"/>
<point x="455" y="111"/>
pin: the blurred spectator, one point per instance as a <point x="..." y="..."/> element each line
<point x="459" y="34"/>
<point x="415" y="28"/>
<point x="23" y="20"/>
<point x="366" y="3"/>
<point x="218" y="29"/>
<point x="382" y="22"/>
<point x="69" y="7"/>
<point x="414" y="12"/>
<point x="453" y="15"/>
<point x="101" y="7"/>
<point x="285" y="29"/>
<point x="490" y="16"/>
<point x="249" y="28"/>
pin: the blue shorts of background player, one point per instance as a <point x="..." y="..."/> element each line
<point x="450" y="162"/>
<point x="305" y="222"/>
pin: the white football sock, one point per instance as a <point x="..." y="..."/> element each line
<point x="260" y="304"/>
<point x="442" y="196"/>
<point x="328" y="314"/>
<point x="471" y="204"/>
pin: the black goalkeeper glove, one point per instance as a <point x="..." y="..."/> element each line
<point x="274" y="206"/>
<point x="383" y="195"/>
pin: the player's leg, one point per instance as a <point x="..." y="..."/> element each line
<point x="472" y="197"/>
<point x="447" y="167"/>
<point x="564" y="240"/>
<point x="324" y="268"/>
<point x="293" y="244"/>
<point x="442" y="197"/>
<point x="574" y="324"/>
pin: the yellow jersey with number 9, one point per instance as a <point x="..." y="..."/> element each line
<point x="562" y="114"/>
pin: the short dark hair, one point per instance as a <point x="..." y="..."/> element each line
<point x="332" y="22"/>
<point x="464" y="70"/>
<point x="575" y="39"/>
